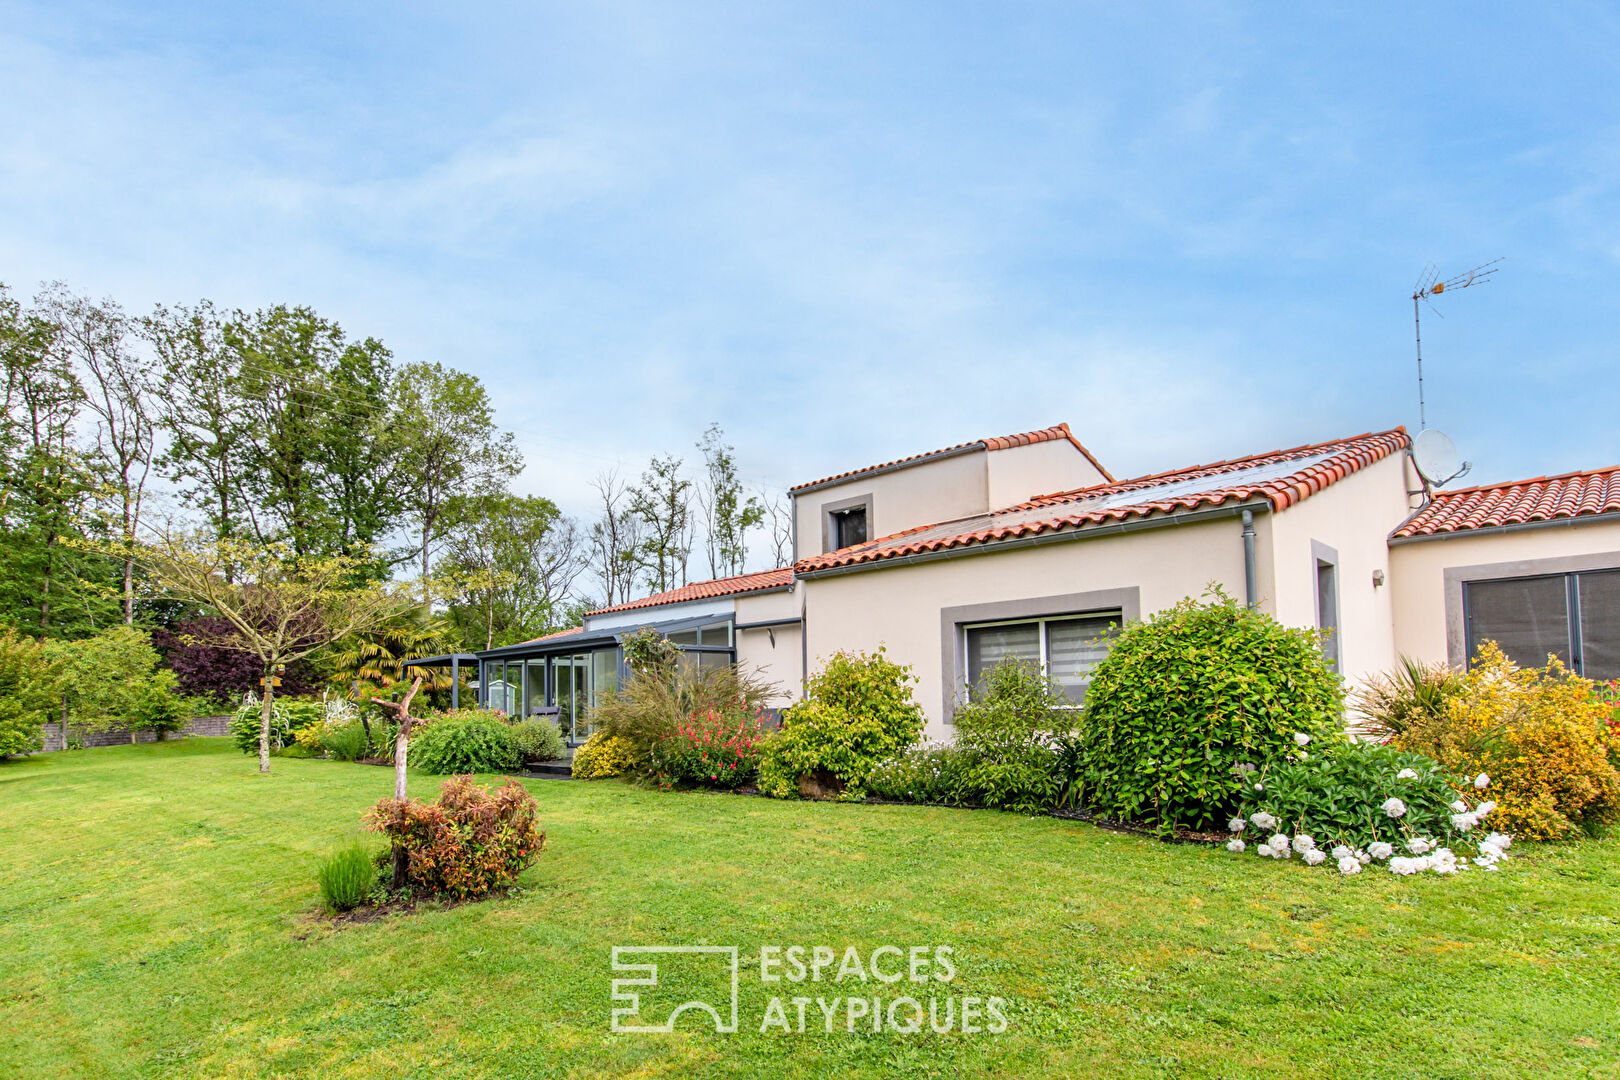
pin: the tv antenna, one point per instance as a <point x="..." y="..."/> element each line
<point x="1430" y="285"/>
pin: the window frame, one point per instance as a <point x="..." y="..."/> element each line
<point x="1576" y="660"/>
<point x="965" y="687"/>
<point x="829" y="518"/>
<point x="1322" y="557"/>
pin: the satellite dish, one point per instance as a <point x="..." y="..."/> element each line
<point x="1436" y="457"/>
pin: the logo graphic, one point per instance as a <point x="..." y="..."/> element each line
<point x="648" y="977"/>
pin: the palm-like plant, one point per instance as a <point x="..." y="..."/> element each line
<point x="369" y="662"/>
<point x="1415" y="692"/>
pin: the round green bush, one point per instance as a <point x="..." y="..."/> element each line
<point x="1191" y="703"/>
<point x="474" y="743"/>
<point x="538" y="740"/>
<point x="857" y="712"/>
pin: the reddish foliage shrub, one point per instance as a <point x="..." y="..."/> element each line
<point x="224" y="674"/>
<point x="468" y="842"/>
<point x="711" y="749"/>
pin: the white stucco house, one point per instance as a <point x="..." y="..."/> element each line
<point x="1025" y="545"/>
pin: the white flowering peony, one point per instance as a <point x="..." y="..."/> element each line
<point x="1484" y="863"/>
<point x="1481" y="782"/>
<point x="1303" y="843"/>
<point x="1302" y="739"/>
<point x="1380" y="850"/>
<point x="1402" y="865"/>
<point x="1236" y="824"/>
<point x="1363" y="858"/>
<point x="1418" y="845"/>
<point x="1459" y="807"/>
<point x="1484" y="808"/>
<point x="1235" y="844"/>
<point x="1500" y="840"/>
<point x="1350" y="865"/>
<point x="1341" y="853"/>
<point x="1394" y="808"/>
<point x="1407" y="774"/>
<point x="1262" y="820"/>
<point x="1279" y="846"/>
<point x="1463" y="822"/>
<point x="1315" y="857"/>
<point x="1443" y="861"/>
<point x="1259" y="787"/>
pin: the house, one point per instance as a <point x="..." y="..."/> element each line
<point x="1026" y="546"/>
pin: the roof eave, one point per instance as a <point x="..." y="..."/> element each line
<point x="1511" y="527"/>
<point x="1056" y="536"/>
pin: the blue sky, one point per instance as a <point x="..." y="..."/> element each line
<point x="849" y="232"/>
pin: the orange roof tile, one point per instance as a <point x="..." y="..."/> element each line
<point x="1545" y="498"/>
<point x="999" y="442"/>
<point x="1281" y="477"/>
<point x="708" y="590"/>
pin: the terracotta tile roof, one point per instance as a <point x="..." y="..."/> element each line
<point x="1545" y="498"/>
<point x="708" y="590"/>
<point x="1000" y="442"/>
<point x="1281" y="477"/>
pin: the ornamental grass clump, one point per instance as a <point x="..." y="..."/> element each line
<point x="347" y="877"/>
<point x="466" y="843"/>
<point x="1188" y="702"/>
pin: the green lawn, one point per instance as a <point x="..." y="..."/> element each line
<point x="157" y="919"/>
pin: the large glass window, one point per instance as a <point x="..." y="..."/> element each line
<point x="534" y="687"/>
<point x="1599" y="600"/>
<point x="1066" y="647"/>
<point x="1527" y="617"/>
<point x="1575" y="617"/>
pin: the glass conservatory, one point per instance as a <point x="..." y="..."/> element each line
<point x="562" y="677"/>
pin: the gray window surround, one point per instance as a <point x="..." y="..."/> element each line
<point x="1320" y="554"/>
<point x="1126" y="601"/>
<point x="1454" y="577"/>
<point x="838" y="506"/>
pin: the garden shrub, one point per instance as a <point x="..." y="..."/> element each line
<point x="653" y="704"/>
<point x="1186" y="696"/>
<point x="1006" y="737"/>
<point x="1541" y="735"/>
<point x="347" y="877"/>
<point x="603" y="755"/>
<point x="29" y="692"/>
<point x="466" y="843"/>
<point x="1414" y="693"/>
<point x="346" y="742"/>
<point x="1342" y="797"/>
<point x="858" y="711"/>
<point x="244" y="725"/>
<point x="467" y="741"/>
<point x="929" y="773"/>
<point x="538" y="740"/>
<point x="714" y="749"/>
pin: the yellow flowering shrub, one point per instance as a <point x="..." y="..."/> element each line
<point x="1542" y="737"/>
<point x="603" y="755"/>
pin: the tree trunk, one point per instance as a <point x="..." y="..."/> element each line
<point x="264" y="717"/>
<point x="402" y="864"/>
<point x="129" y="592"/>
<point x="64" y="722"/>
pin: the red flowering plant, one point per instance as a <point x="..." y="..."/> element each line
<point x="716" y="748"/>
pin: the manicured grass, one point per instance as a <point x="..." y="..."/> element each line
<point x="157" y="918"/>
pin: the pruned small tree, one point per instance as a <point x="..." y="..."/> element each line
<point x="278" y="607"/>
<point x="402" y="740"/>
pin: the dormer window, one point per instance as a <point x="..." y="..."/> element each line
<point x="849" y="527"/>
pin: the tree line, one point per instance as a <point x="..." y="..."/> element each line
<point x="276" y="427"/>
